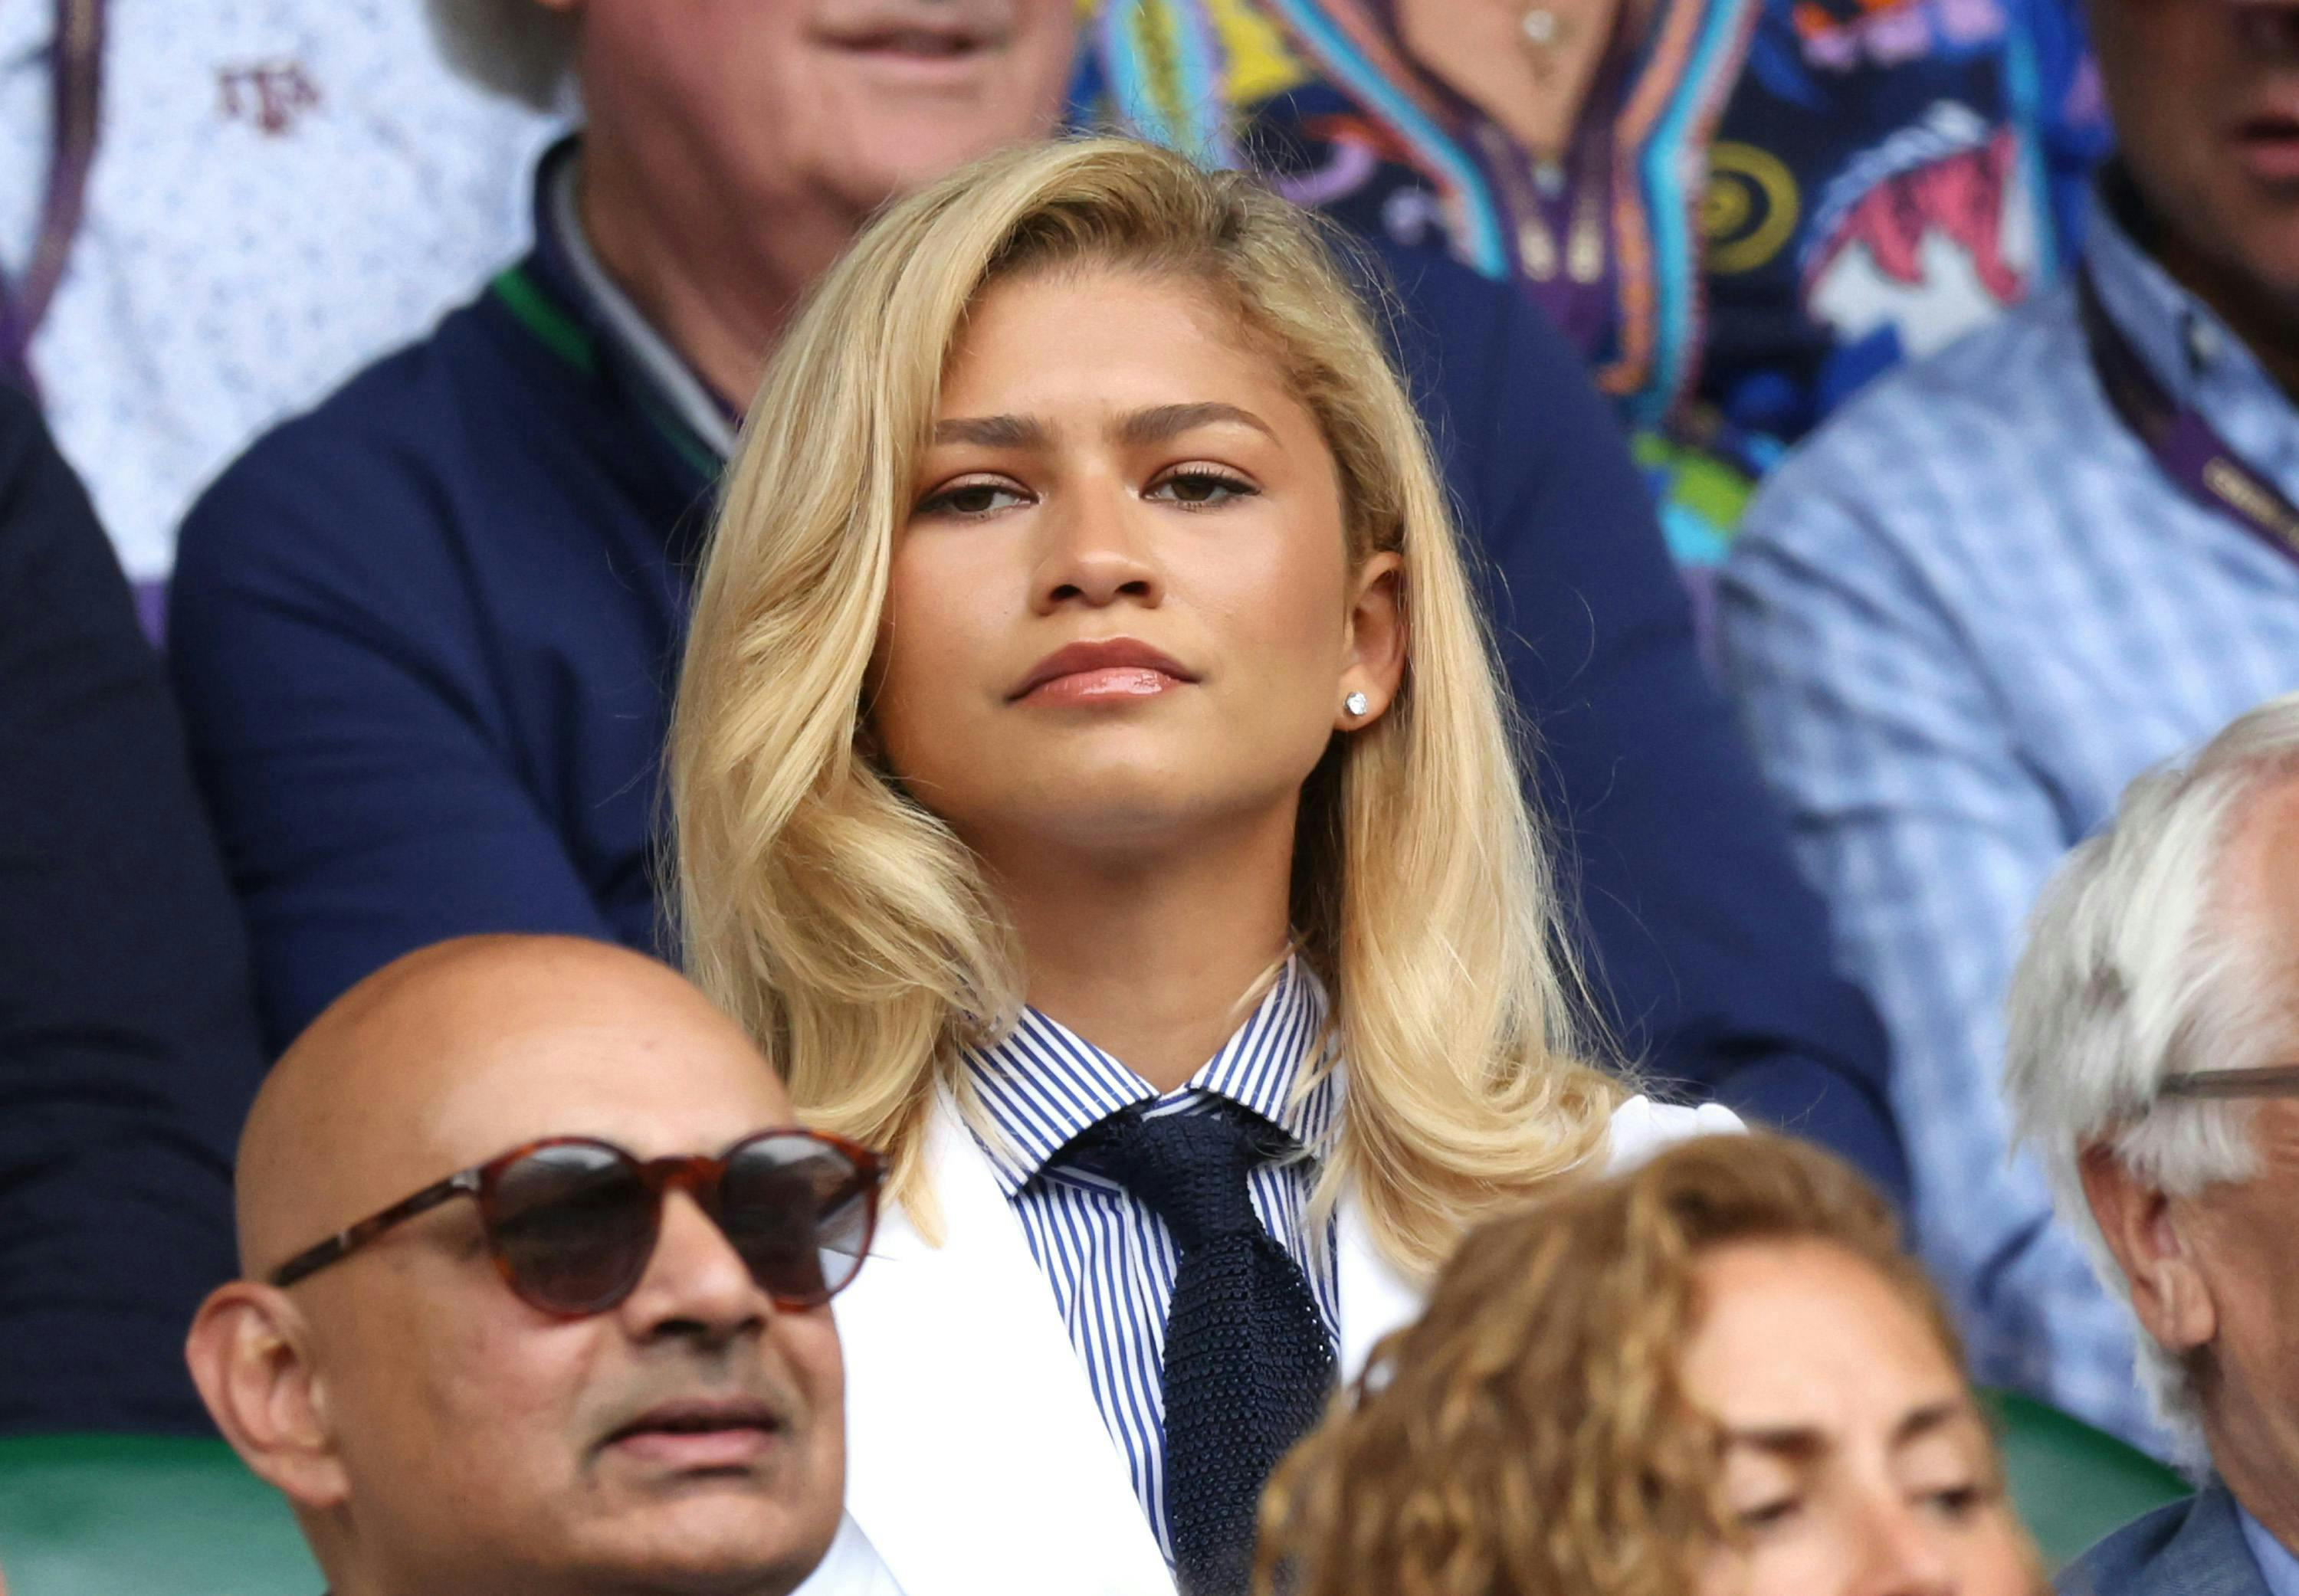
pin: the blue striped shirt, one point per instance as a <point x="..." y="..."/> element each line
<point x="1958" y="622"/>
<point x="1107" y="1258"/>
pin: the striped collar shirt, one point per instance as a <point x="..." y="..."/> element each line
<point x="1109" y="1260"/>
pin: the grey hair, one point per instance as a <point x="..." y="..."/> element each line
<point x="516" y="47"/>
<point x="2131" y="973"/>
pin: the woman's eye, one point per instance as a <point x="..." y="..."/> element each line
<point x="1956" y="1502"/>
<point x="1200" y="488"/>
<point x="1770" y="1514"/>
<point x="970" y="498"/>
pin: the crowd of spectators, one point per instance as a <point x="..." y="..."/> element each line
<point x="462" y="469"/>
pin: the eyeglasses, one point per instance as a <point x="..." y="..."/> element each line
<point x="2273" y="1080"/>
<point x="572" y="1222"/>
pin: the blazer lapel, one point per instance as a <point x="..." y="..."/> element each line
<point x="2208" y="1556"/>
<point x="1376" y="1297"/>
<point x="978" y="1462"/>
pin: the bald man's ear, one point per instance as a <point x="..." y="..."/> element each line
<point x="2168" y="1291"/>
<point x="251" y="1356"/>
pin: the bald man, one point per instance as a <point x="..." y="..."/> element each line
<point x="503" y="1389"/>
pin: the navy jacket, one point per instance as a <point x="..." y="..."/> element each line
<point x="2193" y="1547"/>
<point x="128" y="1037"/>
<point x="425" y="639"/>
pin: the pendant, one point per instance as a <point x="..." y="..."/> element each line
<point x="1538" y="250"/>
<point x="1584" y="253"/>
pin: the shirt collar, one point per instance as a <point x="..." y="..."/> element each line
<point x="2182" y="339"/>
<point x="1042" y="1084"/>
<point x="673" y="386"/>
<point x="2276" y="1565"/>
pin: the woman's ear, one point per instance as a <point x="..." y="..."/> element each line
<point x="2169" y="1294"/>
<point x="1372" y="658"/>
<point x="250" y="1357"/>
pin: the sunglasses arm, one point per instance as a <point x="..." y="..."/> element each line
<point x="344" y="1243"/>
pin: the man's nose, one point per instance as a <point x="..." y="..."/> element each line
<point x="1097" y="550"/>
<point x="695" y="1283"/>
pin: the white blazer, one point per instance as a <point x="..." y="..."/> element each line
<point x="977" y="1462"/>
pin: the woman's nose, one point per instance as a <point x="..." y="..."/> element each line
<point x="1098" y="552"/>
<point x="1901" y="1551"/>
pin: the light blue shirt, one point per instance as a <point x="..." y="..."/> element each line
<point x="2277" y="1565"/>
<point x="1959" y="622"/>
<point x="1109" y="1260"/>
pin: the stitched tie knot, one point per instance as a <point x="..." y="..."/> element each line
<point x="1190" y="1169"/>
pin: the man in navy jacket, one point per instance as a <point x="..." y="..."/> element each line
<point x="127" y="1040"/>
<point x="426" y="635"/>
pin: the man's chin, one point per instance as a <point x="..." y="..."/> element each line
<point x="904" y="154"/>
<point x="706" y="1540"/>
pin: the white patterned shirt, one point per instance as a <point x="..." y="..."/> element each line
<point x="283" y="189"/>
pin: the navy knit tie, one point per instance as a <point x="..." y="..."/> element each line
<point x="1247" y="1362"/>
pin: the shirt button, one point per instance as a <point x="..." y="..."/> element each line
<point x="2202" y="342"/>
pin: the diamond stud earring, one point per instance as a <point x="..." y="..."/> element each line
<point x="1356" y="703"/>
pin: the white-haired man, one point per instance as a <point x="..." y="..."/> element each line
<point x="2154" y="1023"/>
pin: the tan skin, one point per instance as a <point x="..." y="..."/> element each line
<point x="434" y="1433"/>
<point x="1479" y="48"/>
<point x="733" y="148"/>
<point x="1853" y="1458"/>
<point x="2205" y="95"/>
<point x="2214" y="1276"/>
<point x="1115" y="460"/>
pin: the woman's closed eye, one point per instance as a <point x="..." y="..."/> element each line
<point x="972" y="498"/>
<point x="1959" y="1501"/>
<point x="1946" y="1473"/>
<point x="1199" y="487"/>
<point x="1770" y="1514"/>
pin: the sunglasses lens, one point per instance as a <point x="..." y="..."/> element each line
<point x="574" y="1224"/>
<point x="800" y="1212"/>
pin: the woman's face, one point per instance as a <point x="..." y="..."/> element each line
<point x="1122" y="616"/>
<point x="1853" y="1456"/>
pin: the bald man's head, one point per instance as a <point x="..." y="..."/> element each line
<point x="438" y="1431"/>
<point x="457" y="1052"/>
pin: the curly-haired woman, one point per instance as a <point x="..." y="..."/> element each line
<point x="1718" y="1375"/>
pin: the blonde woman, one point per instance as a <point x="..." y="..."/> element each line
<point x="1717" y="1375"/>
<point x="1092" y="790"/>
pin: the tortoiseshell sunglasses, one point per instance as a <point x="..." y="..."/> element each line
<point x="571" y="1221"/>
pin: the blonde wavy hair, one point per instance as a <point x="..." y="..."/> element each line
<point x="854" y="935"/>
<point x="1530" y="1435"/>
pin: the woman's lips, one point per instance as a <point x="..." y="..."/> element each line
<point x="1100" y="670"/>
<point x="1120" y="682"/>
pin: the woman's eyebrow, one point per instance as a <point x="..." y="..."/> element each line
<point x="994" y="431"/>
<point x="1796" y="1443"/>
<point x="1930" y="1417"/>
<point x="1161" y="422"/>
